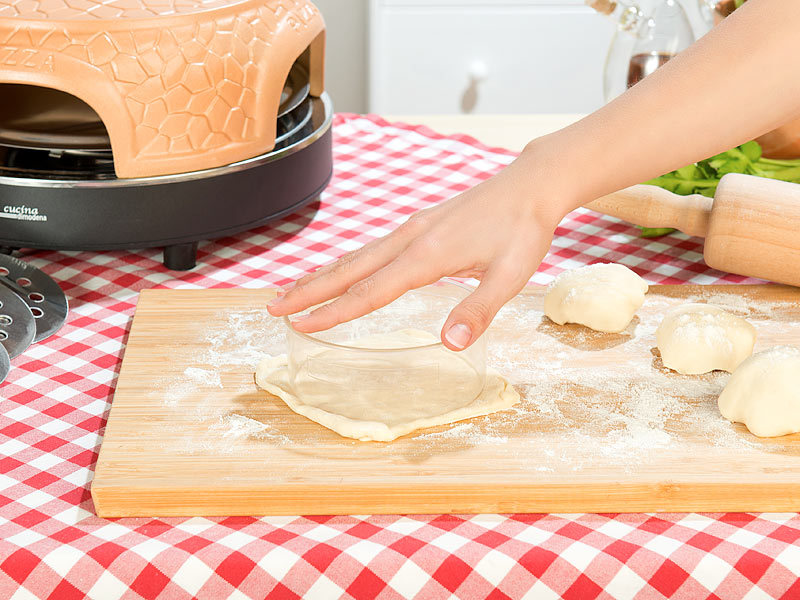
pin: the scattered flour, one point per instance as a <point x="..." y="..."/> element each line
<point x="235" y="342"/>
<point x="238" y="426"/>
<point x="203" y="377"/>
<point x="624" y="413"/>
<point x="226" y="433"/>
<point x="171" y="392"/>
<point x="742" y="305"/>
<point x="462" y="431"/>
<point x="243" y="338"/>
<point x="593" y="413"/>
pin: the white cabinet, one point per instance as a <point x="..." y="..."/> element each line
<point x="486" y="57"/>
<point x="506" y="56"/>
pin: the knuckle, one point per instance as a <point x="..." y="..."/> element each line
<point x="329" y="313"/>
<point x="511" y="272"/>
<point x="477" y="312"/>
<point x="416" y="223"/>
<point x="345" y="263"/>
<point x="364" y="292"/>
<point x="303" y="281"/>
<point x="424" y="247"/>
<point x="297" y="292"/>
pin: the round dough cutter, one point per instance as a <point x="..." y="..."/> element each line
<point x="17" y="325"/>
<point x="42" y="296"/>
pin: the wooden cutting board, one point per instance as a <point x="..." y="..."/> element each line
<point x="602" y="427"/>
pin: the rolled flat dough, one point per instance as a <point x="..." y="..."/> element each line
<point x="361" y="417"/>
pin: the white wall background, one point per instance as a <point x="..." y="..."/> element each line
<point x="348" y="48"/>
<point x="346" y="52"/>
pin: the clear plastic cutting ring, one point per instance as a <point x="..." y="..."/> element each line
<point x="391" y="355"/>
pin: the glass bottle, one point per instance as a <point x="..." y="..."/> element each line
<point x="783" y="142"/>
<point x="714" y="11"/>
<point x="642" y="42"/>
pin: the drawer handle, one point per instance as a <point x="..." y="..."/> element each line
<point x="477" y="71"/>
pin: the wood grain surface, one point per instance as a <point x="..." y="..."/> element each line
<point x="602" y="427"/>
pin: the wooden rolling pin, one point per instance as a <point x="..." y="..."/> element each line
<point x="751" y="226"/>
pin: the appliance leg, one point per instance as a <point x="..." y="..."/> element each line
<point x="181" y="257"/>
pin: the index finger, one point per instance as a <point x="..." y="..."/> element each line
<point x="336" y="278"/>
<point x="369" y="294"/>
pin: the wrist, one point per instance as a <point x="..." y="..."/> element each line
<point x="550" y="178"/>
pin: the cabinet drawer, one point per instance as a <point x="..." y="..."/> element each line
<point x="502" y="58"/>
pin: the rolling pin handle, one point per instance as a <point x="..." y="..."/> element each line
<point x="652" y="206"/>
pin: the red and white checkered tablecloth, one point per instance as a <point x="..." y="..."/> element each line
<point x="55" y="402"/>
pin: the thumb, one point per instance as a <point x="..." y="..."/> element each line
<point x="470" y="318"/>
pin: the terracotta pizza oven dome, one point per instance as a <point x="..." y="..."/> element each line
<point x="171" y="86"/>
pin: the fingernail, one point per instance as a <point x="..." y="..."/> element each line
<point x="459" y="336"/>
<point x="276" y="300"/>
<point x="300" y="320"/>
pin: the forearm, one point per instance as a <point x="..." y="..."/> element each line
<point x="736" y="83"/>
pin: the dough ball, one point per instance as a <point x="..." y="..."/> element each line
<point x="698" y="338"/>
<point x="764" y="393"/>
<point x="603" y="297"/>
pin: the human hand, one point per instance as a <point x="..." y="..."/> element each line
<point x="497" y="232"/>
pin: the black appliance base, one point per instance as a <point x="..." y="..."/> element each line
<point x="172" y="211"/>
